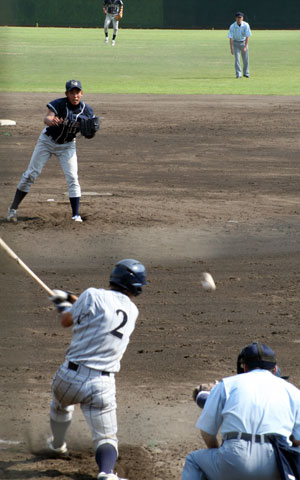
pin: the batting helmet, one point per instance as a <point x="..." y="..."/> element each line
<point x="256" y="355"/>
<point x="130" y="275"/>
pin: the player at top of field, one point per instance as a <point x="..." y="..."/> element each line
<point x="113" y="10"/>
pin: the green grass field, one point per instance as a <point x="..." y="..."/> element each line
<point x="147" y="61"/>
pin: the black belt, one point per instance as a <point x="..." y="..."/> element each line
<point x="248" y="437"/>
<point x="75" y="366"/>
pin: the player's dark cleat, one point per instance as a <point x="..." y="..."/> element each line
<point x="12" y="215"/>
<point x="247" y="75"/>
<point x="57" y="452"/>
<point x="77" y="218"/>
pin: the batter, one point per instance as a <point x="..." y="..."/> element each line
<point x="102" y="321"/>
<point x="58" y="138"/>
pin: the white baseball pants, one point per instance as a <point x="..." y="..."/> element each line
<point x="107" y="22"/>
<point x="66" y="154"/>
<point x="96" y="395"/>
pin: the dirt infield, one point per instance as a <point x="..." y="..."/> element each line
<point x="185" y="184"/>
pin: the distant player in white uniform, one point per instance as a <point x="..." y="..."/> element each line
<point x="102" y="321"/>
<point x="113" y="10"/>
<point x="239" y="33"/>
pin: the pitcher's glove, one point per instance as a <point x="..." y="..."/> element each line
<point x="89" y="126"/>
<point x="119" y="16"/>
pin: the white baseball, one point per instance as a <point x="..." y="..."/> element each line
<point x="208" y="282"/>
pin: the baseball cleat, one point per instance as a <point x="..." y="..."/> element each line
<point x="12" y="215"/>
<point x="113" y="42"/>
<point x="106" y="40"/>
<point x="77" y="218"/>
<point x="109" y="476"/>
<point x="60" y="451"/>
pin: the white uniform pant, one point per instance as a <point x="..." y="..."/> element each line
<point x="234" y="460"/>
<point x="66" y="154"/>
<point x="96" y="395"/>
<point x="107" y="22"/>
<point x="238" y="48"/>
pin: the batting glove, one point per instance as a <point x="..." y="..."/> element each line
<point x="61" y="300"/>
<point x="60" y="296"/>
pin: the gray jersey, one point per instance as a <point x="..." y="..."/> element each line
<point x="103" y="322"/>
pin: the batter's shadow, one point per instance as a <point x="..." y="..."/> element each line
<point x="39" y="473"/>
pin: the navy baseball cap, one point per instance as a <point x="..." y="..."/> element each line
<point x="256" y="355"/>
<point x="73" y="84"/>
<point x="239" y="14"/>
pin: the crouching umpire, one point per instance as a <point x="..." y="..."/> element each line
<point x="255" y="412"/>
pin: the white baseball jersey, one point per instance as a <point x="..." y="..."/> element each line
<point x="239" y="33"/>
<point x="103" y="322"/>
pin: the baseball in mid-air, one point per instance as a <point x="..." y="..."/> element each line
<point x="208" y="282"/>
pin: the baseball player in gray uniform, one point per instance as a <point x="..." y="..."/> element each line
<point x="102" y="322"/>
<point x="57" y="138"/>
<point x="239" y="33"/>
<point x="113" y="10"/>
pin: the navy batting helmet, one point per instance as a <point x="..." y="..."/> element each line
<point x="130" y="275"/>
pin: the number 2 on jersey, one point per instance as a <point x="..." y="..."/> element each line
<point x="116" y="332"/>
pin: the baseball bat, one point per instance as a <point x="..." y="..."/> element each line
<point x="12" y="254"/>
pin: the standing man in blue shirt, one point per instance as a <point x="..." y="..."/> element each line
<point x="239" y="33"/>
<point x="247" y="409"/>
<point x="58" y="138"/>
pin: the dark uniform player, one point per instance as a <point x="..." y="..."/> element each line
<point x="58" y="138"/>
<point x="112" y="8"/>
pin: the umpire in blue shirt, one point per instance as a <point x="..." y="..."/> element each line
<point x="249" y="410"/>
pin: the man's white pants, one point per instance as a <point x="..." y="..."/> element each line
<point x="96" y="395"/>
<point x="66" y="154"/>
<point x="107" y="22"/>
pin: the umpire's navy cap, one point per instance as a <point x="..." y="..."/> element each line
<point x="239" y="14"/>
<point x="73" y="84"/>
<point x="257" y="355"/>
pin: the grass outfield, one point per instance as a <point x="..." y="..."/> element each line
<point x="147" y="61"/>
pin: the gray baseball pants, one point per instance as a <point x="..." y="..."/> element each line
<point x="108" y="20"/>
<point x="234" y="460"/>
<point x="238" y="48"/>
<point x="66" y="154"/>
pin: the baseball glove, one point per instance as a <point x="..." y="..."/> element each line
<point x="89" y="126"/>
<point x="119" y="16"/>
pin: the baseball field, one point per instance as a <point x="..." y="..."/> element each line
<point x="191" y="171"/>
